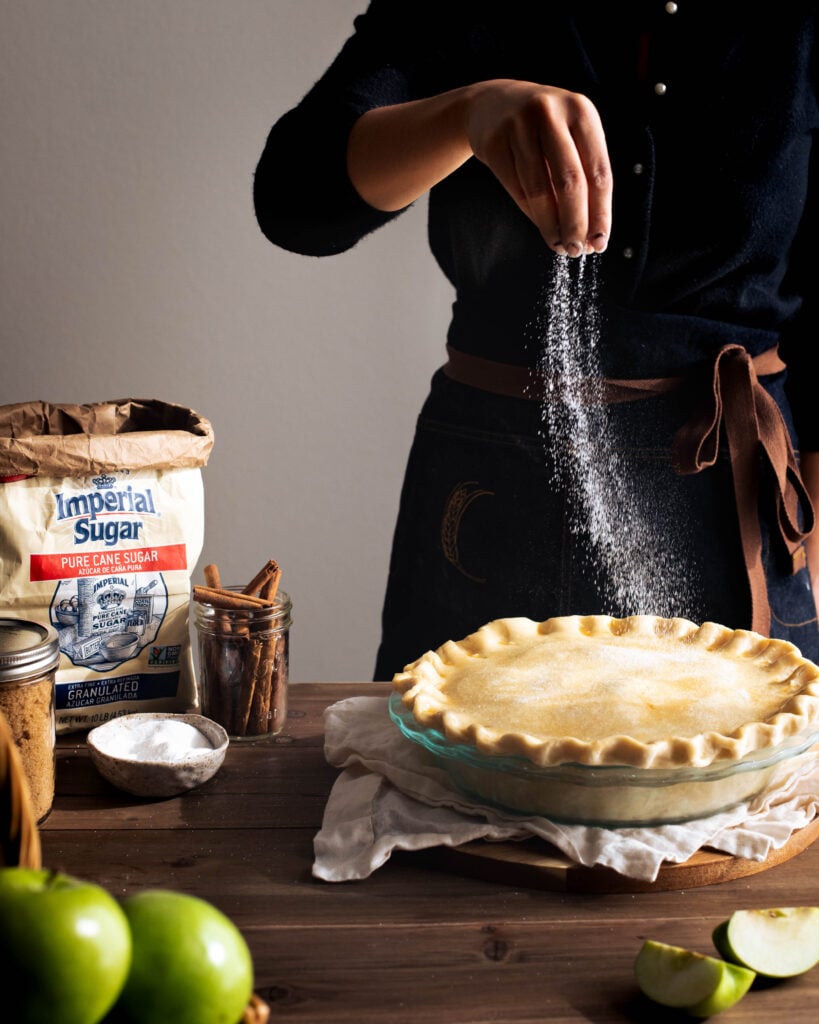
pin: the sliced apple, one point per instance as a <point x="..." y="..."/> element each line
<point x="776" y="943"/>
<point x="700" y="985"/>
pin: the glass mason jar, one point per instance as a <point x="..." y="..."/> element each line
<point x="244" y="659"/>
<point x="29" y="655"/>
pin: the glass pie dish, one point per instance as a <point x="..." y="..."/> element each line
<point x="610" y="796"/>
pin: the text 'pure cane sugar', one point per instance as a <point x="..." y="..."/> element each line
<point x="638" y="566"/>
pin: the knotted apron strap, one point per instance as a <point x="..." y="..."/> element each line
<point x="516" y="381"/>
<point x="757" y="436"/>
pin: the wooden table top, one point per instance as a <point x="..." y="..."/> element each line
<point x="417" y="941"/>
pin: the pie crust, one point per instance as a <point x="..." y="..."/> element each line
<point x="643" y="691"/>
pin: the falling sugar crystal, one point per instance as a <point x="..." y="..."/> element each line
<point x="638" y="568"/>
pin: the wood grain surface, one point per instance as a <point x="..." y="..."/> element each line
<point x="421" y="939"/>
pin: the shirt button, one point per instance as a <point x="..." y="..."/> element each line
<point x="671" y="8"/>
<point x="628" y="253"/>
<point x="638" y="168"/>
<point x="661" y="88"/>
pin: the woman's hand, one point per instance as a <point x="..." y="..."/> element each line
<point x="545" y="145"/>
<point x="547" y="148"/>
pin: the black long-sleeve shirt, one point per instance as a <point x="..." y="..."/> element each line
<point x="710" y="113"/>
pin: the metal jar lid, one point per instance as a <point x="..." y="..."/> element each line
<point x="27" y="650"/>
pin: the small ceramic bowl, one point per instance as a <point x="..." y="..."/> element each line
<point x="151" y="754"/>
<point x="120" y="646"/>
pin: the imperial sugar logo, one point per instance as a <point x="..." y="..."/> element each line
<point x="108" y="514"/>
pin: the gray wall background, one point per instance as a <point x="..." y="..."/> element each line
<point x="131" y="265"/>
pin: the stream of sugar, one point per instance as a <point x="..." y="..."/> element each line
<point x="637" y="566"/>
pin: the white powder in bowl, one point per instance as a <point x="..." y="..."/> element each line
<point x="159" y="740"/>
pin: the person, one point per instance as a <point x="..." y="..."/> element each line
<point x="670" y="147"/>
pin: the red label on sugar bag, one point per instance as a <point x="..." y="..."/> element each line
<point x="74" y="564"/>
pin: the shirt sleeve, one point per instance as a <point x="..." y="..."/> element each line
<point x="303" y="197"/>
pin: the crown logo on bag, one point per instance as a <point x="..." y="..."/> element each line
<point x="103" y="482"/>
<point x="112" y="597"/>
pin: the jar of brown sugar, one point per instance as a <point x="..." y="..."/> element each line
<point x="29" y="655"/>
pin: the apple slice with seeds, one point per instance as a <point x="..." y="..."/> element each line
<point x="776" y="943"/>
<point x="701" y="985"/>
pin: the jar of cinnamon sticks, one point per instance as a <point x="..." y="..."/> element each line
<point x="243" y="648"/>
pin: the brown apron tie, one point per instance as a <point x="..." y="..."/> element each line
<point x="515" y="381"/>
<point x="754" y="427"/>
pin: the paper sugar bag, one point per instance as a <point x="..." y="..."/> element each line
<point x="101" y="524"/>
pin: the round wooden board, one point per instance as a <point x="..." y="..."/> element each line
<point x="536" y="863"/>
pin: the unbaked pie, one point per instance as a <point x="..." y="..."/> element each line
<point x="619" y="706"/>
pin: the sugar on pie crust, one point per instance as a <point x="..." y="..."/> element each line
<point x="641" y="691"/>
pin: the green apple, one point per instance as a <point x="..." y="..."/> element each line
<point x="65" y="948"/>
<point x="700" y="985"/>
<point x="775" y="943"/>
<point x="190" y="964"/>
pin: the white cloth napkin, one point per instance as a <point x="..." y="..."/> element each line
<point x="392" y="795"/>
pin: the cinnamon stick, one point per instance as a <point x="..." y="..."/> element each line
<point x="259" y="719"/>
<point x="249" y="685"/>
<point x="262" y="576"/>
<point x="270" y="586"/>
<point x="212" y="577"/>
<point x="275" y="702"/>
<point x="221" y="598"/>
